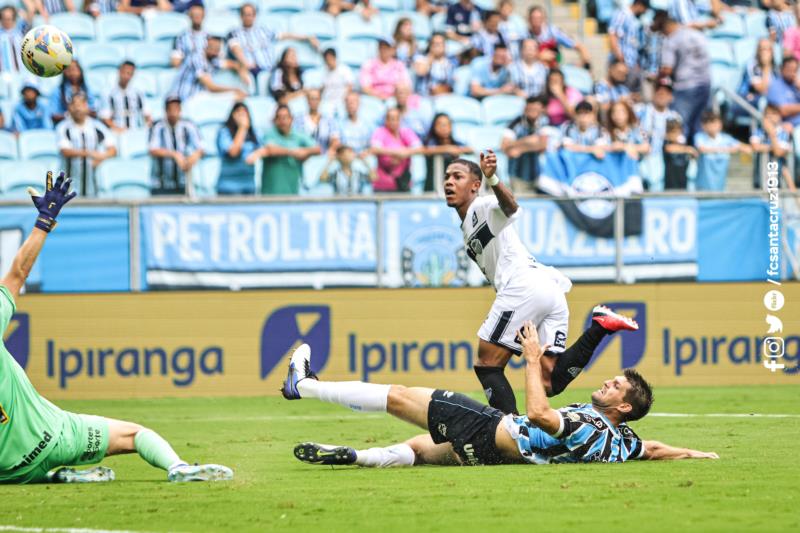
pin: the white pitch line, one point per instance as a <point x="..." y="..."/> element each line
<point x="62" y="530"/>
<point x="726" y="415"/>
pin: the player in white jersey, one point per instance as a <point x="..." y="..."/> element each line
<point x="526" y="289"/>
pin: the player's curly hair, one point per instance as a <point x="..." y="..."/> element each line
<point x="472" y="166"/>
<point x="640" y="395"/>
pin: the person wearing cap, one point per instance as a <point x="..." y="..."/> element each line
<point x="193" y="40"/>
<point x="196" y="74"/>
<point x="175" y="148"/>
<point x="380" y="75"/>
<point x="32" y="112"/>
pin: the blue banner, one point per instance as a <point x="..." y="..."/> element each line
<point x="89" y="250"/>
<point x="236" y="246"/>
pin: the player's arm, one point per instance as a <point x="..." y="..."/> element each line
<point x="655" y="451"/>
<point x="537" y="408"/>
<point x="49" y="204"/>
<point x="504" y="195"/>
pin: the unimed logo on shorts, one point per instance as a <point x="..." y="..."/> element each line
<point x="17" y="338"/>
<point x="633" y="342"/>
<point x="289" y="327"/>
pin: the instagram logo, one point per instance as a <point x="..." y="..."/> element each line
<point x="772" y="349"/>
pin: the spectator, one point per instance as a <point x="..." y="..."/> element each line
<point x="394" y="145"/>
<point x="53" y="7"/>
<point x="405" y="41"/>
<point x="524" y="141"/>
<point x="10" y="40"/>
<point x="286" y="80"/>
<point x="84" y="143"/>
<point x="653" y="119"/>
<point x="440" y="149"/>
<point x="337" y="7"/>
<point x="686" y="13"/>
<point x="139" y="7"/>
<point x="684" y="59"/>
<point x="624" y="131"/>
<point x="72" y="81"/>
<point x="236" y="140"/>
<point x="529" y="75"/>
<point x="195" y="39"/>
<point x="379" y="76"/>
<point x="585" y="135"/>
<point x="779" y="19"/>
<point x="463" y="20"/>
<point x="434" y="71"/>
<point x="485" y="39"/>
<point x="2" y="121"/>
<point x="411" y="116"/>
<point x="95" y="8"/>
<point x="175" y="148"/>
<point x="432" y="7"/>
<point x="196" y="74"/>
<point x="626" y="38"/>
<point x="560" y="99"/>
<point x="492" y="77"/>
<point x="253" y="45"/>
<point x="715" y="148"/>
<point x="512" y="28"/>
<point x="125" y="105"/>
<point x="348" y="173"/>
<point x="613" y="89"/>
<point x="784" y="92"/>
<point x="314" y="124"/>
<point x="791" y="37"/>
<point x="284" y="150"/>
<point x="353" y="130"/>
<point x="551" y="38"/>
<point x="338" y="80"/>
<point x="181" y="6"/>
<point x="774" y="139"/>
<point x="758" y="74"/>
<point x="31" y="113"/>
<point x="677" y="156"/>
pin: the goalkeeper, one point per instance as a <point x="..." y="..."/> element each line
<point x="38" y="441"/>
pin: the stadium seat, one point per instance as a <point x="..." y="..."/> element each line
<point x="313" y="78"/>
<point x="372" y="109"/>
<point x="280" y="6"/>
<point x="502" y="108"/>
<point x="221" y="22"/>
<point x="486" y="137"/>
<point x="8" y="145"/>
<point x="124" y="178"/>
<point x="101" y="81"/>
<point x="578" y="78"/>
<point x="9" y="87"/>
<point x="146" y="81"/>
<point x="724" y="76"/>
<point x="720" y="52"/>
<point x="14" y="184"/>
<point x="208" y="139"/>
<point x="353" y="26"/>
<point x="229" y="78"/>
<point x="165" y="26"/>
<point x="224" y="5"/>
<point x="732" y="27"/>
<point x="307" y="56"/>
<point x="421" y="23"/>
<point x="79" y="26"/>
<point x="461" y="80"/>
<point x="38" y="144"/>
<point x="439" y="22"/>
<point x="454" y="48"/>
<point x="356" y="53"/>
<point x="462" y="109"/>
<point x="463" y="131"/>
<point x="97" y="57"/>
<point x="133" y="144"/>
<point x="149" y="55"/>
<point x="205" y="177"/>
<point x="166" y="79"/>
<point x="319" y="24"/>
<point x="208" y="108"/>
<point x="744" y="50"/>
<point x="120" y="27"/>
<point x="386" y="5"/>
<point x="277" y="22"/>
<point x="756" y="23"/>
<point x="155" y="105"/>
<point x="262" y="112"/>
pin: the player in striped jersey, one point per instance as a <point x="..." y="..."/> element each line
<point x="462" y="431"/>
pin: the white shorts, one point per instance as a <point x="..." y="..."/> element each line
<point x="534" y="295"/>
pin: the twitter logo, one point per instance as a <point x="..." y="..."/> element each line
<point x="775" y="324"/>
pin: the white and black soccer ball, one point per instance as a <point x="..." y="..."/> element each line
<point x="46" y="51"/>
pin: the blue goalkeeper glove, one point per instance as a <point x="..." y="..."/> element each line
<point x="50" y="203"/>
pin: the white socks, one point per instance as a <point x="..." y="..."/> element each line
<point x="397" y="455"/>
<point x="356" y="395"/>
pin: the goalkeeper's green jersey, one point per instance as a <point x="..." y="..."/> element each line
<point x="29" y="424"/>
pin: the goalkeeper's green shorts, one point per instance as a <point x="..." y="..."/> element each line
<point x="83" y="441"/>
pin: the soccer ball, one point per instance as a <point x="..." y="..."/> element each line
<point x="46" y="51"/>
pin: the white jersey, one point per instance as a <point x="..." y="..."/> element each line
<point x="492" y="241"/>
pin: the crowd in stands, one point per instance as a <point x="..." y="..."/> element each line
<point x="354" y="97"/>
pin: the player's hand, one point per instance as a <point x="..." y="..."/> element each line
<point x="488" y="163"/>
<point x="50" y="203"/>
<point x="531" y="349"/>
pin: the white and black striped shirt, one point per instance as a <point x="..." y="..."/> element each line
<point x="184" y="138"/>
<point x="92" y="135"/>
<point x="125" y="108"/>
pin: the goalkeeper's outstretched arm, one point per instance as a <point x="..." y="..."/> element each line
<point x="48" y="204"/>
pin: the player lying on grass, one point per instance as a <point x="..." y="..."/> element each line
<point x="526" y="289"/>
<point x="462" y="431"/>
<point x="39" y="441"/>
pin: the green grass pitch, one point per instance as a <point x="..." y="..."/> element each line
<point x="752" y="487"/>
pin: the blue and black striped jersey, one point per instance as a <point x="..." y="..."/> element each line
<point x="584" y="436"/>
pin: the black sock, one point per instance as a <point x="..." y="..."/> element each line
<point x="497" y="388"/>
<point x="571" y="361"/>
